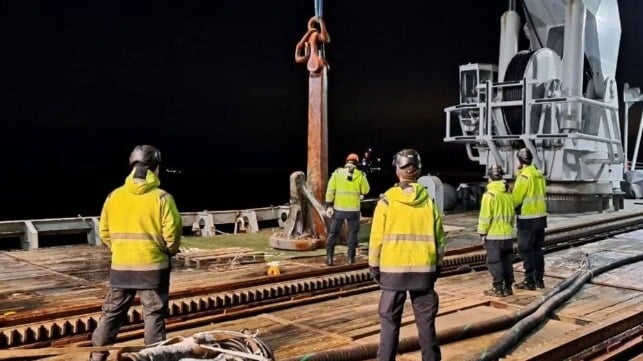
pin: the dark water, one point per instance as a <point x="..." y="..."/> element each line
<point x="83" y="192"/>
<point x="232" y="190"/>
<point x="193" y="191"/>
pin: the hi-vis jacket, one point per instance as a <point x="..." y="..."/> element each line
<point x="497" y="215"/>
<point x="529" y="199"/>
<point x="407" y="239"/>
<point x="142" y="227"/>
<point x="344" y="193"/>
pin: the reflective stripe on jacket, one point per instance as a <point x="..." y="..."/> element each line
<point x="407" y="239"/>
<point x="497" y="215"/>
<point x="529" y="198"/>
<point x="344" y="193"/>
<point x="142" y="227"/>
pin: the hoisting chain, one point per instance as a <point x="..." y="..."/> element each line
<point x="310" y="48"/>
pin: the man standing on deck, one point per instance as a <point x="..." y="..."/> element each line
<point x="404" y="255"/>
<point x="496" y="228"/>
<point x="531" y="208"/>
<point x="346" y="187"/>
<point x="142" y="227"/>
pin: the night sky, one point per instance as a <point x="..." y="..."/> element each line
<point x="214" y="85"/>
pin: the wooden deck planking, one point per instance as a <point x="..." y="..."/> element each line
<point x="50" y="276"/>
<point x="572" y="317"/>
<point x="593" y="298"/>
<point x="296" y="331"/>
<point x="467" y="349"/>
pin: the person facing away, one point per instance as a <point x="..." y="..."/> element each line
<point x="344" y="192"/>
<point x="404" y="255"/>
<point x="142" y="227"/>
<point x="496" y="228"/>
<point x="531" y="208"/>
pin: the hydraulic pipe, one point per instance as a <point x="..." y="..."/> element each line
<point x="509" y="32"/>
<point x="573" y="60"/>
<point x="626" y="134"/>
<point x="635" y="155"/>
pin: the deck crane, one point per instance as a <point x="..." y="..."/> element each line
<point x="558" y="98"/>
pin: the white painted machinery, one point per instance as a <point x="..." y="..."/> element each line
<point x="558" y="99"/>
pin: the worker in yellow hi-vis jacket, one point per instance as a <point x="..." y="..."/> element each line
<point x="404" y="256"/>
<point x="346" y="187"/>
<point x="142" y="227"/>
<point x="531" y="207"/>
<point x="496" y="228"/>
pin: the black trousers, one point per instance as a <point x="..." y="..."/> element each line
<point x="530" y="247"/>
<point x="335" y="227"/>
<point x="115" y="308"/>
<point x="500" y="257"/>
<point x="425" y="308"/>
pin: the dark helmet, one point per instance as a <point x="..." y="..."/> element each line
<point x="147" y="155"/>
<point x="495" y="172"/>
<point x="525" y="156"/>
<point x="407" y="157"/>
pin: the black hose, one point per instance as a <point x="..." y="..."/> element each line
<point x="411" y="343"/>
<point x="616" y="264"/>
<point x="527" y="324"/>
<point x="501" y="322"/>
<point x="521" y="318"/>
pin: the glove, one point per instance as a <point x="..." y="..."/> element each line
<point x="375" y="273"/>
<point x="483" y="238"/>
<point x="329" y="212"/>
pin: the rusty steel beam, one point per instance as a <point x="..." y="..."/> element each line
<point x="65" y="329"/>
<point x="281" y="304"/>
<point x="317" y="168"/>
<point x="28" y="354"/>
<point x="90" y="307"/>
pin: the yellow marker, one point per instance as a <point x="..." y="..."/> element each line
<point x="273" y="268"/>
<point x="10" y="313"/>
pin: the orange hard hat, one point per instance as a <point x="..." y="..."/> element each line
<point x="352" y="157"/>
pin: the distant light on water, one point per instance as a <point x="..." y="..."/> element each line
<point x="173" y="171"/>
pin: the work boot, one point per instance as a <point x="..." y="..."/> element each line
<point x="540" y="284"/>
<point x="526" y="285"/>
<point x="351" y="256"/>
<point x="329" y="257"/>
<point x="98" y="356"/>
<point x="495" y="291"/>
<point x="507" y="289"/>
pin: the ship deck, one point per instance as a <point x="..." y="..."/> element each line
<point x="72" y="276"/>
